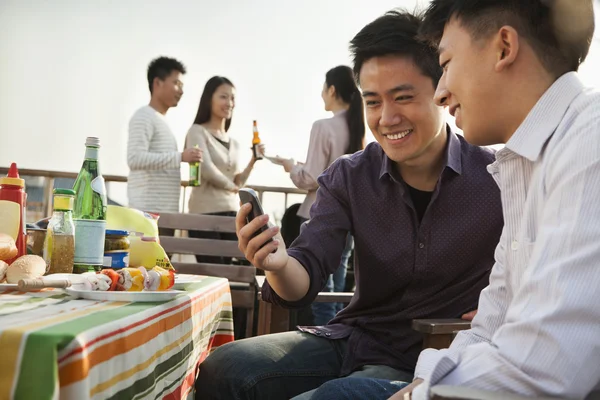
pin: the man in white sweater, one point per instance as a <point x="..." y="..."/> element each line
<point x="154" y="182"/>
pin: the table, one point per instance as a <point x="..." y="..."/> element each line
<point x="54" y="346"/>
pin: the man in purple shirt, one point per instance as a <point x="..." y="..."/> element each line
<point x="426" y="217"/>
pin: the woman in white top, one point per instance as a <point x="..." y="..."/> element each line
<point x="220" y="174"/>
<point x="331" y="138"/>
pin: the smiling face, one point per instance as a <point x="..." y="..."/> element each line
<point x="469" y="87"/>
<point x="401" y="111"/>
<point x="223" y="101"/>
<point x="169" y="90"/>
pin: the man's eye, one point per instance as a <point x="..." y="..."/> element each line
<point x="403" y="98"/>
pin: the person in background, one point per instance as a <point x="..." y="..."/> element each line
<point x="425" y="216"/>
<point x="154" y="182"/>
<point x="331" y="138"/>
<point x="221" y="176"/>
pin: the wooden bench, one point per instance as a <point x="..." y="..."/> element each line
<point x="439" y="333"/>
<point x="242" y="278"/>
<point x="275" y="319"/>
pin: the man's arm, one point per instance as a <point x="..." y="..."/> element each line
<point x="549" y="342"/>
<point x="319" y="247"/>
<point x="138" y="155"/>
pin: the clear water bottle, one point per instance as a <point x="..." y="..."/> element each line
<point x="89" y="212"/>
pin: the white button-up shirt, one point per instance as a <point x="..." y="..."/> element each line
<point x="537" y="331"/>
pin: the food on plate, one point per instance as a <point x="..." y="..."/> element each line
<point x="160" y="279"/>
<point x="25" y="267"/>
<point x="3" y="268"/>
<point x="138" y="279"/>
<point x="8" y="248"/>
<point x="97" y="282"/>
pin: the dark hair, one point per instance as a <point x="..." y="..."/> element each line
<point x="162" y="67"/>
<point x="205" y="107"/>
<point x="537" y="21"/>
<point x="395" y="33"/>
<point x="342" y="79"/>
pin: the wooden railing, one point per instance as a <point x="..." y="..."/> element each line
<point x="50" y="176"/>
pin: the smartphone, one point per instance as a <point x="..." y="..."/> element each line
<point x="250" y="196"/>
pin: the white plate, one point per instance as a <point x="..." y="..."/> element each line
<point x="182" y="281"/>
<point x="125" y="296"/>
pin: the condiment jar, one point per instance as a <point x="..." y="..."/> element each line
<point x="59" y="245"/>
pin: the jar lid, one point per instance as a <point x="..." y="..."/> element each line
<point x="67" y="192"/>
<point x="116" y="232"/>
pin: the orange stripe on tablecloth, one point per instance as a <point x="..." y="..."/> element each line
<point x="182" y="390"/>
<point x="80" y="349"/>
<point x="10" y="343"/>
<point x="79" y="369"/>
<point x="132" y="371"/>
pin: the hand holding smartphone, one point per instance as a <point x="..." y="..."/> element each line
<point x="250" y="196"/>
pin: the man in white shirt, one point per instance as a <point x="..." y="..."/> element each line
<point x="510" y="77"/>
<point x="154" y="182"/>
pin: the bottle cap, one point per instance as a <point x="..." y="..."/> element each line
<point x="12" y="178"/>
<point x="92" y="141"/>
<point x="63" y="199"/>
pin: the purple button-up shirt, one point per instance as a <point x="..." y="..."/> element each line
<point x="404" y="270"/>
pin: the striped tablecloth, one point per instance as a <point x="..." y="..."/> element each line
<point x="53" y="346"/>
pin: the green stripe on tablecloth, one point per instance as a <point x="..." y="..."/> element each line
<point x="31" y="300"/>
<point x="42" y="347"/>
<point x="144" y="386"/>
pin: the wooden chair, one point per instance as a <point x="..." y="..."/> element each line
<point x="242" y="278"/>
<point x="275" y="319"/>
<point x="438" y="333"/>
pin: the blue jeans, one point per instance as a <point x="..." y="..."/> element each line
<point x="352" y="388"/>
<point x="324" y="312"/>
<point x="278" y="366"/>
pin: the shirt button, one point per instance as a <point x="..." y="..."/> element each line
<point x="514" y="245"/>
<point x="421" y="245"/>
<point x="327" y="334"/>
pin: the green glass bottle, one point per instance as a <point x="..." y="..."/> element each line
<point x="194" y="172"/>
<point x="89" y="212"/>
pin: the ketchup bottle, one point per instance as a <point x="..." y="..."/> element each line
<point x="12" y="190"/>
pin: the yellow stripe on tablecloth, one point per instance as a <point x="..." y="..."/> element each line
<point x="140" y="367"/>
<point x="196" y="308"/>
<point x="11" y="343"/>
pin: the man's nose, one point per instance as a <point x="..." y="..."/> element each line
<point x="389" y="116"/>
<point x="442" y="94"/>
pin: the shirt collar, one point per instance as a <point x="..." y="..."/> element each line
<point x="452" y="156"/>
<point x="543" y="119"/>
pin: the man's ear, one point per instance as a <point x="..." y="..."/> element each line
<point x="506" y="44"/>
<point x="155" y="83"/>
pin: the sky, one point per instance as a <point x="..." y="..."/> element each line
<point x="72" y="69"/>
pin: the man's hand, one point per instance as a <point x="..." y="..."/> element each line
<point x="262" y="258"/>
<point x="469" y="316"/>
<point x="406" y="390"/>
<point x="191" y="155"/>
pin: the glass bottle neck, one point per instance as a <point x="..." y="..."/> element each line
<point x="64" y="214"/>
<point x="91" y="153"/>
